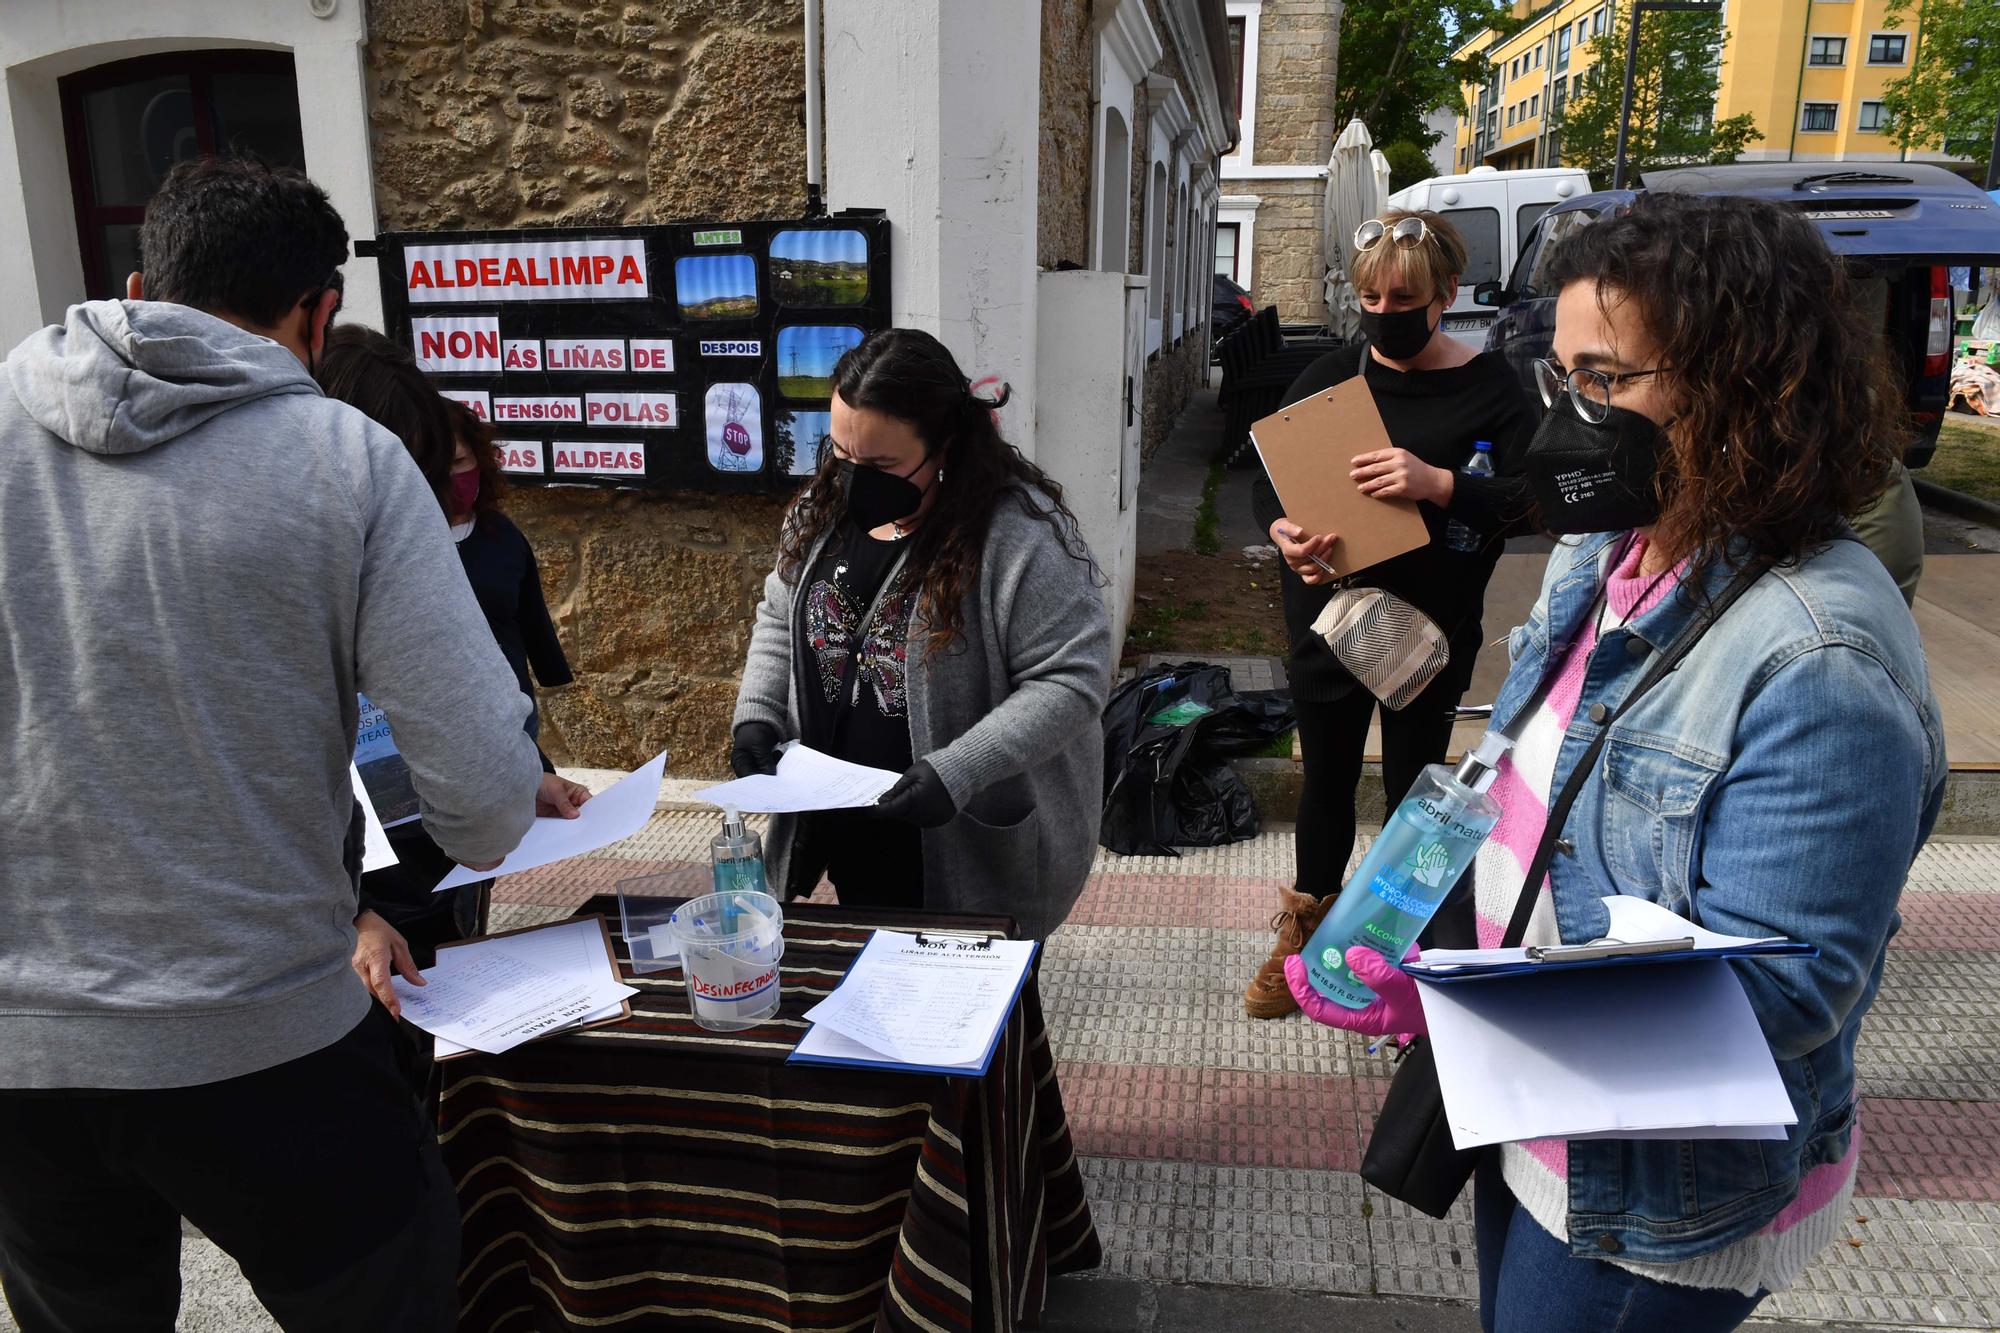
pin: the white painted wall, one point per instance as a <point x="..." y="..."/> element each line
<point x="933" y="113"/>
<point x="42" y="40"/>
<point x="1087" y="351"/>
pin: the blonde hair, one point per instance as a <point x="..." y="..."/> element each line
<point x="1435" y="263"/>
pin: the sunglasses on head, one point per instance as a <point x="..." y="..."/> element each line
<point x="1405" y="234"/>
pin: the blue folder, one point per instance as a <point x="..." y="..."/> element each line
<point x="1604" y="954"/>
<point x="971" y="1070"/>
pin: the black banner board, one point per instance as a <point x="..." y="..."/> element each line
<point x="691" y="356"/>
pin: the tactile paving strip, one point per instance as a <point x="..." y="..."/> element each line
<point x="1934" y="1030"/>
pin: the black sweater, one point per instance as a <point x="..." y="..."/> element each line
<point x="1436" y="415"/>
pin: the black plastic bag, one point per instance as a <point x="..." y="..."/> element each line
<point x="1167" y="736"/>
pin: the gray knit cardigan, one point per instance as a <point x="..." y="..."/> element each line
<point x="1009" y="716"/>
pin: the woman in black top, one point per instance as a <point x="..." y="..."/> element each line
<point x="1438" y="399"/>
<point x="401" y="921"/>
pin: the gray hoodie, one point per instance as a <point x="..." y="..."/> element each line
<point x="201" y="560"/>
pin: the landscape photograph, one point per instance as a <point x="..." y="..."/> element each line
<point x="716" y="286"/>
<point x="806" y="357"/>
<point x="819" y="268"/>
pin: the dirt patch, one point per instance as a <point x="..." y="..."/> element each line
<point x="1222" y="605"/>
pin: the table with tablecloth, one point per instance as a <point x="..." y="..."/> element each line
<point x="653" y="1173"/>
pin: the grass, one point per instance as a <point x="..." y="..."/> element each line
<point x="1206" y="525"/>
<point x="1967" y="460"/>
<point x="1154" y="625"/>
<point x="804" y="386"/>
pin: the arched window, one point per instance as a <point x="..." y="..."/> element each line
<point x="1114" y="194"/>
<point x="1156" y="245"/>
<point x="128" y="123"/>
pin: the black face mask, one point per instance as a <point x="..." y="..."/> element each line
<point x="875" y="497"/>
<point x="1595" y="478"/>
<point x="1401" y="334"/>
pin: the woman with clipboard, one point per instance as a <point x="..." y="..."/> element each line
<point x="1438" y="400"/>
<point x="1719" y="704"/>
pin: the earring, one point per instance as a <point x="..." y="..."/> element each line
<point x="939" y="481"/>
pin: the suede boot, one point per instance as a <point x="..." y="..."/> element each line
<point x="1297" y="917"/>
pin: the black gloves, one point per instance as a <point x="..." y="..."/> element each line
<point x="756" y="749"/>
<point x="918" y="797"/>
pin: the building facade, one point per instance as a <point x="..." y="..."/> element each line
<point x="1810" y="73"/>
<point x="1048" y="172"/>
<point x="1269" y="235"/>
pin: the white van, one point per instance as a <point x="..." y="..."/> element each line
<point x="1494" y="211"/>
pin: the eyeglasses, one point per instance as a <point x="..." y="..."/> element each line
<point x="1589" y="390"/>
<point x="1407" y="234"/>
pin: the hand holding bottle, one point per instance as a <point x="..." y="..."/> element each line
<point x="1396" y="1007"/>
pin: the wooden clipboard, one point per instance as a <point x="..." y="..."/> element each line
<point x="610" y="958"/>
<point x="1306" y="449"/>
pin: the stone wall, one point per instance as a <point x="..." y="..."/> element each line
<point x="514" y="113"/>
<point x="1171" y="378"/>
<point x="1063" y="217"/>
<point x="1298" y="51"/>
<point x="1290" y="267"/>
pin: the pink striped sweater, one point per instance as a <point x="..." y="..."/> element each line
<point x="1537" y="1171"/>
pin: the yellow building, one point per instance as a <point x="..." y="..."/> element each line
<point x="1810" y="73"/>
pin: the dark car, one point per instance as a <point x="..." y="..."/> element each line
<point x="1230" y="307"/>
<point x="1900" y="226"/>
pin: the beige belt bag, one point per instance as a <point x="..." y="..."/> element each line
<point x="1384" y="642"/>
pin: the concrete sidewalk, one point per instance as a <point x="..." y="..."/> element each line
<point x="1220" y="1152"/>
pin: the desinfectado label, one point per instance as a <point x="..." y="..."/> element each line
<point x="591" y="270"/>
<point x="731" y="998"/>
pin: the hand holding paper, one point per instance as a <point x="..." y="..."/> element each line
<point x="617" y="812"/>
<point x="806" y="780"/>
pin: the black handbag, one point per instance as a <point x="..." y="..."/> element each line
<point x="1411" y="1155"/>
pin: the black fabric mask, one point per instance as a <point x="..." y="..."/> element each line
<point x="1595" y="478"/>
<point x="1401" y="334"/>
<point x="875" y="497"/>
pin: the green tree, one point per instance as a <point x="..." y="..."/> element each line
<point x="1396" y="65"/>
<point x="1952" y="92"/>
<point x="1674" y="81"/>
<point x="1408" y="164"/>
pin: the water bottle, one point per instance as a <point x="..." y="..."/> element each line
<point x="1423" y="849"/>
<point x="1457" y="535"/>
<point x="738" y="857"/>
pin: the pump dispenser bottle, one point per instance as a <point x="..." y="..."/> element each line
<point x="1423" y="849"/>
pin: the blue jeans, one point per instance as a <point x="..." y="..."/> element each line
<point x="1529" y="1282"/>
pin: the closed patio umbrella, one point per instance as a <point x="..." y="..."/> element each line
<point x="1357" y="189"/>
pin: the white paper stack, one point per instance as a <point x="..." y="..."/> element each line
<point x="806" y="780"/>
<point x="934" y="1003"/>
<point x="1628" y="1049"/>
<point x="493" y="994"/>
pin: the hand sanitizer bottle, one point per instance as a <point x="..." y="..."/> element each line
<point x="1423" y="849"/>
<point x="738" y="857"/>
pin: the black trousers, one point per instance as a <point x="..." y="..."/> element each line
<point x="319" y="1176"/>
<point x="872" y="862"/>
<point x="1332" y="738"/>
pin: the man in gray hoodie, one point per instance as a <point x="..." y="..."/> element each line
<point x="202" y="560"/>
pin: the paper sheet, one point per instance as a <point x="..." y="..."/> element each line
<point x="806" y="780"/>
<point x="375" y="849"/>
<point x="475" y="993"/>
<point x="1633" y="921"/>
<point x="926" y="1001"/>
<point x="1614" y="1052"/>
<point x="615" y="813"/>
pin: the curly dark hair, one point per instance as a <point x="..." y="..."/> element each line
<point x="1789" y="417"/>
<point x="478" y="437"/>
<point x="911" y="376"/>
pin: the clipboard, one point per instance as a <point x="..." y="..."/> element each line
<point x="610" y="958"/>
<point x="1545" y="960"/>
<point x="1306" y="450"/>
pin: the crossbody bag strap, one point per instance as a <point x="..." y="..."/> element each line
<point x="1684" y="642"/>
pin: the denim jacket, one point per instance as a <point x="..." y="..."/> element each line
<point x="1778" y="782"/>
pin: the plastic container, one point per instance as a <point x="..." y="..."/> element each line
<point x="1423" y="849"/>
<point x="644" y="905"/>
<point x="730" y="946"/>
<point x="1459" y="536"/>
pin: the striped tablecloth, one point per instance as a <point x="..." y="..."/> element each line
<point x="653" y="1173"/>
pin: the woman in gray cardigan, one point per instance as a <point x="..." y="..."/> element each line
<point x="933" y="611"/>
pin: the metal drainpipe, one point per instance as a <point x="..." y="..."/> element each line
<point x="1799" y="91"/>
<point x="815" y="120"/>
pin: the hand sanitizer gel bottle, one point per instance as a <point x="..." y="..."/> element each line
<point x="738" y="856"/>
<point x="1423" y="849"/>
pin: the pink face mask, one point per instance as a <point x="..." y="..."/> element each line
<point x="464" y="490"/>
